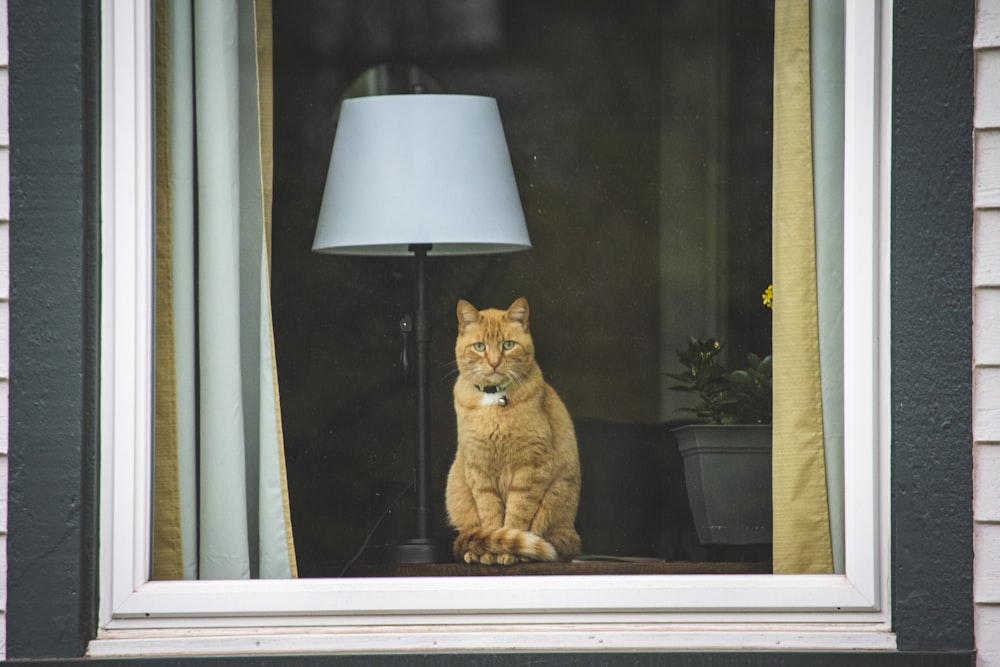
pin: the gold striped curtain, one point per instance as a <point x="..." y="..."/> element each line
<point x="802" y="530"/>
<point x="220" y="505"/>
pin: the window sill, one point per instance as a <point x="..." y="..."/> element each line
<point x="551" y="637"/>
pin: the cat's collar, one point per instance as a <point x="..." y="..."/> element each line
<point x="495" y="388"/>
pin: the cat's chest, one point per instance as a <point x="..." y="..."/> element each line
<point x="492" y="424"/>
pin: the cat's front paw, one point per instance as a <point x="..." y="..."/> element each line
<point x="492" y="559"/>
<point x="466" y="548"/>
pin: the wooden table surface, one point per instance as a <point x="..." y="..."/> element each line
<point x="575" y="568"/>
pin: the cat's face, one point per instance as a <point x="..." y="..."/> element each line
<point x="494" y="346"/>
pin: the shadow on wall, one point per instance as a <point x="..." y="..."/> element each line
<point x="633" y="500"/>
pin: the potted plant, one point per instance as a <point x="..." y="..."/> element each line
<point x="727" y="455"/>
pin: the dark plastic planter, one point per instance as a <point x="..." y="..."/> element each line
<point x="728" y="473"/>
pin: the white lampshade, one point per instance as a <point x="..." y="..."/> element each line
<point x="420" y="169"/>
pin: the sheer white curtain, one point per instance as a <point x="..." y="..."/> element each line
<point x="221" y="504"/>
<point x="827" y="66"/>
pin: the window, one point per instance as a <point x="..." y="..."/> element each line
<point x="622" y="150"/>
<point x="802" y="611"/>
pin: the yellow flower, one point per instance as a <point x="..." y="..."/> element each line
<point x="768" y="296"/>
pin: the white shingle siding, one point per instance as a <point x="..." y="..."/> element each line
<point x="987" y="187"/>
<point x="986" y="258"/>
<point x="986" y="341"/>
<point x="988" y="79"/>
<point x="988" y="635"/>
<point x="987" y="24"/>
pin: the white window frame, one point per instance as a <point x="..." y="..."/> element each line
<point x="575" y="613"/>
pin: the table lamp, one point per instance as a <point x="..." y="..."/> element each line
<point x="420" y="175"/>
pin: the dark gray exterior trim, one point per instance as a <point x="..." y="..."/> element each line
<point x="52" y="574"/>
<point x="931" y="315"/>
<point x="54" y="232"/>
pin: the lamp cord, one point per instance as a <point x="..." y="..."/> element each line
<point x="371" y="533"/>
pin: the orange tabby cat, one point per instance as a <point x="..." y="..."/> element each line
<point x="514" y="485"/>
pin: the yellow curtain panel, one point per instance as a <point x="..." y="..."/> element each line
<point x="167" y="558"/>
<point x="801" y="517"/>
<point x="265" y="113"/>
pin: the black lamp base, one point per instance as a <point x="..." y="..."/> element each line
<point x="411" y="551"/>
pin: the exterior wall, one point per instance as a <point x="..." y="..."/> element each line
<point x="986" y="333"/>
<point x="47" y="577"/>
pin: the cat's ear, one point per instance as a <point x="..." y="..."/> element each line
<point x="467" y="314"/>
<point x="518" y="312"/>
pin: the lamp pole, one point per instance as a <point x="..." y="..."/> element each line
<point x="421" y="335"/>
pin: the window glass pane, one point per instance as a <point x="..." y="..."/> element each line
<point x="640" y="135"/>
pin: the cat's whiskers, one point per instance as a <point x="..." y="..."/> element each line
<point x="451" y="370"/>
<point x="518" y="378"/>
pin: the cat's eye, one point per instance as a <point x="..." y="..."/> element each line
<point x="479" y="346"/>
<point x="509" y="345"/>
